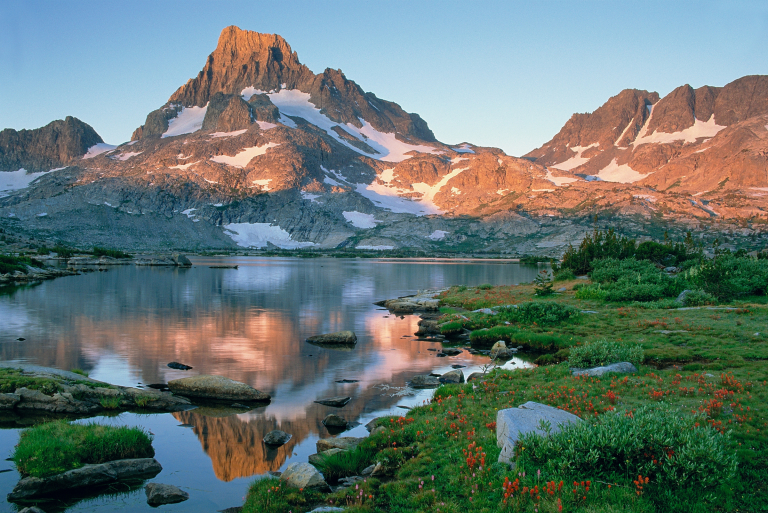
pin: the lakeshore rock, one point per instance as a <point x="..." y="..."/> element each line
<point x="454" y="376"/>
<point x="340" y="337"/>
<point x="158" y="494"/>
<point x="337" y="402"/>
<point x="277" y="437"/>
<point x="315" y="459"/>
<point x="332" y="420"/>
<point x="216" y="387"/>
<point x="303" y="475"/>
<point x="619" y="368"/>
<point x="87" y="475"/>
<point x="500" y="351"/>
<point x="425" y="381"/>
<point x="528" y="417"/>
<point x="345" y="443"/>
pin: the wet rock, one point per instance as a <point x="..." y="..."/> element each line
<point x="159" y="386"/>
<point x="347" y="380"/>
<point x="500" y="351"/>
<point x="8" y="401"/>
<point x="305" y="476"/>
<point x="345" y="443"/>
<point x="21" y="339"/>
<point x="277" y="437"/>
<point x="339" y="337"/>
<point x="441" y="355"/>
<point x="454" y="376"/>
<point x="216" y="387"/>
<point x="620" y="368"/>
<point x="158" y="494"/>
<point x="528" y="417"/>
<point x="316" y="459"/>
<point x="86" y="476"/>
<point x="178" y="366"/>
<point x="452" y="351"/>
<point x="346" y="482"/>
<point x="424" y="381"/>
<point x="337" y="402"/>
<point x="457" y="366"/>
<point x="368" y="470"/>
<point x="332" y="420"/>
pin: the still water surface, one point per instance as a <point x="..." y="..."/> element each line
<point x="249" y="324"/>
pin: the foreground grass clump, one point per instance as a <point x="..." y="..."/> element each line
<point x="603" y="352"/>
<point x="59" y="446"/>
<point x="346" y="463"/>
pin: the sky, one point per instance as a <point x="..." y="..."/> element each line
<point x="506" y="74"/>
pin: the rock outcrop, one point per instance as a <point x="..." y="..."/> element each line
<point x="216" y="388"/>
<point x="527" y="418"/>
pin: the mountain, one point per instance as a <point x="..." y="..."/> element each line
<point x="258" y="151"/>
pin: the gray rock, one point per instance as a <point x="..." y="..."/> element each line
<point x="476" y="375"/>
<point x="452" y="351"/>
<point x="332" y="420"/>
<point x="8" y="401"/>
<point x="621" y="368"/>
<point x="85" y="476"/>
<point x="368" y="470"/>
<point x="304" y="475"/>
<point x="671" y="269"/>
<point x="454" y="376"/>
<point x="326" y="509"/>
<point x="346" y="482"/>
<point x="179" y="366"/>
<point x="682" y="298"/>
<point x="486" y="311"/>
<point x="316" y="459"/>
<point x="500" y="351"/>
<point x="513" y="422"/>
<point x="277" y="437"/>
<point x="158" y="494"/>
<point x="345" y="443"/>
<point x="372" y="424"/>
<point x="337" y="402"/>
<point x="425" y="381"/>
<point x="561" y="289"/>
<point x="181" y="260"/>
<point x="339" y="337"/>
<point x="216" y="387"/>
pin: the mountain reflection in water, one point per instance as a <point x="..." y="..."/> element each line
<point x="249" y="324"/>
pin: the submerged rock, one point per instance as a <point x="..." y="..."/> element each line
<point x="87" y="475"/>
<point x="179" y="366"/>
<point x="277" y="437"/>
<point x="305" y="476"/>
<point x="339" y="337"/>
<point x="216" y="387"/>
<point x="528" y="417"/>
<point x="158" y="494"/>
<point x="337" y="402"/>
<point x="452" y="351"/>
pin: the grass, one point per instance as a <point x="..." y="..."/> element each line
<point x="13" y="379"/>
<point x="59" y="446"/>
<point x="706" y="366"/>
<point x="10" y="264"/>
<point x="346" y="463"/>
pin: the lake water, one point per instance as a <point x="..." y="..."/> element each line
<point x="249" y="324"/>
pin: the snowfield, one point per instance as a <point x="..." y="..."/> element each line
<point x="244" y="156"/>
<point x="257" y="235"/>
<point x="700" y="129"/>
<point x="614" y="172"/>
<point x="98" y="149"/>
<point x="359" y="219"/>
<point x="16" y="180"/>
<point x="187" y="121"/>
<point x="229" y="134"/>
<point x="576" y="160"/>
<point x="375" y="248"/>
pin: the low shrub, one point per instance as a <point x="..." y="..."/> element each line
<point x="539" y="341"/>
<point x="653" y="441"/>
<point x="59" y="446"/>
<point x="485" y="286"/>
<point x="728" y="276"/>
<point x="542" y="285"/>
<point x="699" y="298"/>
<point x="602" y="352"/>
<point x="631" y="280"/>
<point x="592" y="291"/>
<point x="543" y="313"/>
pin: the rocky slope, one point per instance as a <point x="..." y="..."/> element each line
<point x="258" y="151"/>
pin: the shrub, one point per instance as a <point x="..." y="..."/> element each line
<point x="633" y="280"/>
<point x="58" y="446"/>
<point x="564" y="274"/>
<point x="539" y="312"/>
<point x="593" y="291"/>
<point x="728" y="276"/>
<point x="63" y="251"/>
<point x="543" y="284"/>
<point x="653" y="441"/>
<point x="539" y="341"/>
<point x="699" y="298"/>
<point x="602" y="352"/>
<point x="485" y="286"/>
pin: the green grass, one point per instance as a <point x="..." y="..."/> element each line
<point x="11" y="264"/>
<point x="59" y="446"/>
<point x="346" y="463"/>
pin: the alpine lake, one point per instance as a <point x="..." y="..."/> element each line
<point x="249" y="324"/>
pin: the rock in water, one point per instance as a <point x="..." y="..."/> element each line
<point x="304" y="475"/>
<point x="619" y="368"/>
<point x="340" y="337"/>
<point x="158" y="494"/>
<point x="512" y="422"/>
<point x="216" y="387"/>
<point x="179" y="366"/>
<point x="454" y="376"/>
<point x="332" y="420"/>
<point x="425" y="381"/>
<point x="451" y="351"/>
<point x="338" y="402"/>
<point x="277" y="437"/>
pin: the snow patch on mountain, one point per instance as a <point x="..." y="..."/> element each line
<point x="187" y="121"/>
<point x="388" y="198"/>
<point x="464" y="148"/>
<point x="244" y="156"/>
<point x="98" y="149"/>
<point x="576" y="160"/>
<point x="264" y="184"/>
<point x="559" y="180"/>
<point x="184" y="166"/>
<point x="258" y="235"/>
<point x="359" y="219"/>
<point x="437" y="235"/>
<point x="428" y="192"/>
<point x="614" y="172"/>
<point x="265" y="125"/>
<point x="230" y="134"/>
<point x="125" y="156"/>
<point x="309" y="196"/>
<point x="17" y="180"/>
<point x="699" y="130"/>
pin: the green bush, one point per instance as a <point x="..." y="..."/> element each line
<point x="728" y="276"/>
<point x="699" y="298"/>
<point x="542" y="285"/>
<point x="633" y="280"/>
<point x="485" y="286"/>
<point x="539" y="312"/>
<point x="564" y="274"/>
<point x="540" y="342"/>
<point x="592" y="291"/>
<point x="10" y="264"/>
<point x="63" y="251"/>
<point x="59" y="446"/>
<point x="602" y="352"/>
<point x="654" y="441"/>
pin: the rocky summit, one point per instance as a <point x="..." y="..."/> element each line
<point x="257" y="151"/>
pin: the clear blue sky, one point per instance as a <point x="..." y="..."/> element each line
<point x="505" y="74"/>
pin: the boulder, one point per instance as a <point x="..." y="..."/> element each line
<point x="339" y="337"/>
<point x="216" y="387"/>
<point x="305" y="476"/>
<point x="315" y="459"/>
<point x="277" y="437"/>
<point x="9" y="400"/>
<point x="425" y="381"/>
<point x="158" y="494"/>
<point x="501" y="351"/>
<point x="372" y="424"/>
<point x="619" y="368"/>
<point x="454" y="376"/>
<point x="337" y="402"/>
<point x="682" y="298"/>
<point x="332" y="420"/>
<point x="345" y="443"/>
<point x="476" y="375"/>
<point x="85" y="476"/>
<point x="182" y="260"/>
<point x="528" y="417"/>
